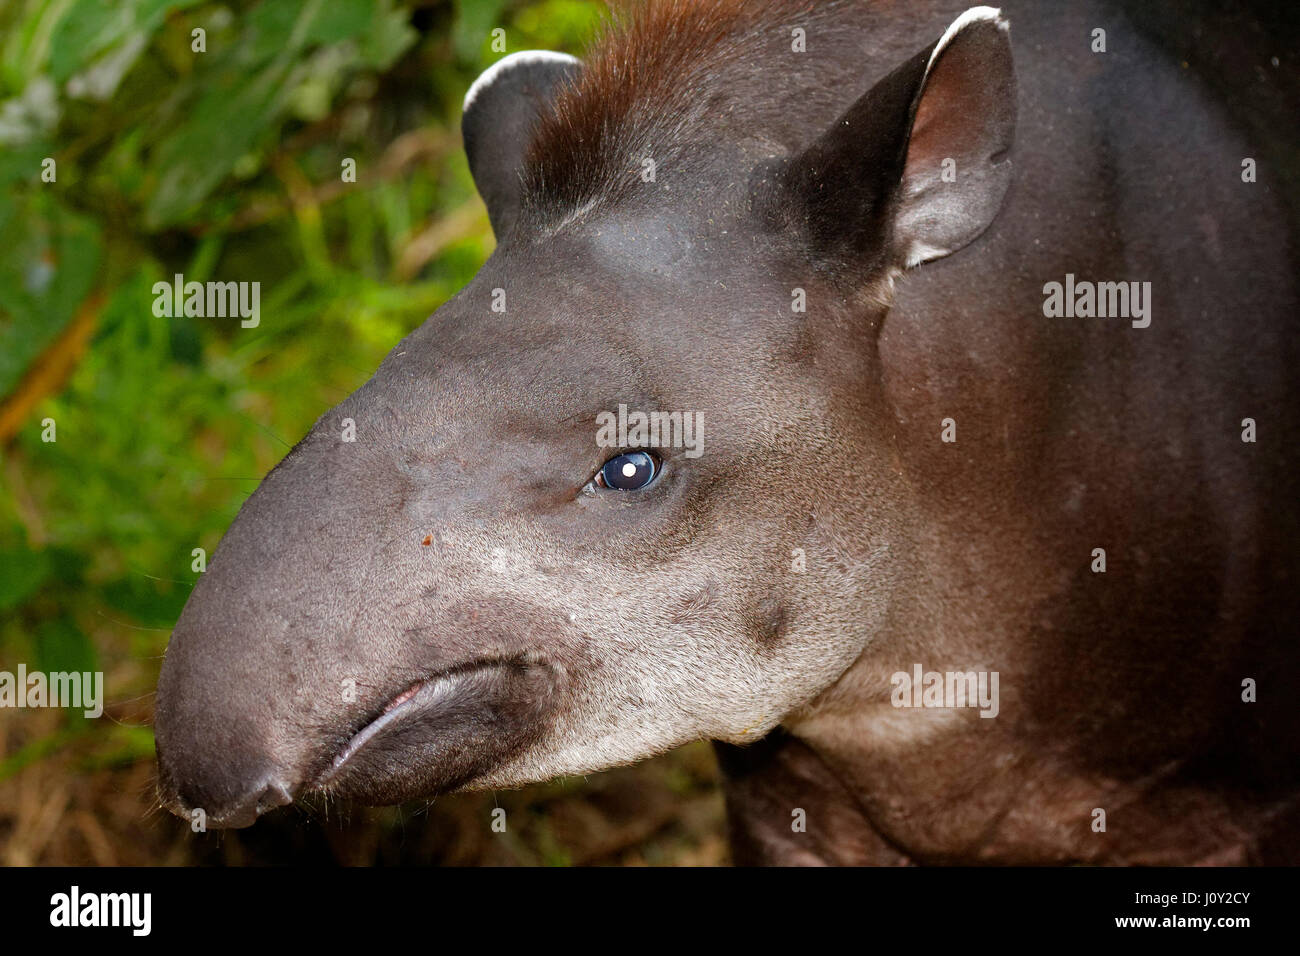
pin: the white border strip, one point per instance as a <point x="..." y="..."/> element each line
<point x="522" y="58"/>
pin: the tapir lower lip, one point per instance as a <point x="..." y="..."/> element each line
<point x="422" y="695"/>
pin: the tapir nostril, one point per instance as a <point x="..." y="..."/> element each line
<point x="235" y="813"/>
<point x="276" y="794"/>
<point x="257" y="800"/>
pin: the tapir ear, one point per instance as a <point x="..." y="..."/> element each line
<point x="916" y="168"/>
<point x="501" y="109"/>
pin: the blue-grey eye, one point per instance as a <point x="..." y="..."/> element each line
<point x="630" y="471"/>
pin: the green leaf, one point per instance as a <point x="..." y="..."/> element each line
<point x="22" y="571"/>
<point x="150" y="599"/>
<point x="475" y="21"/>
<point x="223" y="126"/>
<point x="245" y="94"/>
<point x="94" y="30"/>
<point x="49" y="267"/>
<point x="62" y="646"/>
<point x="126" y="745"/>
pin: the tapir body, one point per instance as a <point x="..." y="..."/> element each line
<point x="831" y="232"/>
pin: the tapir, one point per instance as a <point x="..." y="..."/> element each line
<point x="837" y="237"/>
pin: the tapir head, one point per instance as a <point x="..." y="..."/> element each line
<point x="480" y="571"/>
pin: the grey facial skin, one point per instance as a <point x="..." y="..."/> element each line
<point x="452" y="602"/>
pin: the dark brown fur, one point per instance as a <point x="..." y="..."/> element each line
<point x="653" y="84"/>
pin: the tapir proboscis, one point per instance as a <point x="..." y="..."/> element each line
<point x="899" y="397"/>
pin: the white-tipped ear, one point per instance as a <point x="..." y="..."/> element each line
<point x="973" y="15"/>
<point x="501" y="108"/>
<point x="918" y="166"/>
<point x="957" y="170"/>
<point x="524" y="59"/>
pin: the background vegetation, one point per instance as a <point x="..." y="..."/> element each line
<point x="226" y="164"/>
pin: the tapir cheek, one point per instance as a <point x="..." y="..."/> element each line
<point x="450" y="731"/>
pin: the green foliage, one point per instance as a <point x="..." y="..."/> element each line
<point x="51" y="257"/>
<point x="222" y="164"/>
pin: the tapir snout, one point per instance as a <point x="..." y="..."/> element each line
<point x="308" y="661"/>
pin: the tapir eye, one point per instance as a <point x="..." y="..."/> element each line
<point x="630" y="471"/>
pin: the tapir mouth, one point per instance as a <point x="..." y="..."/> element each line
<point x="424" y="695"/>
<point x="441" y="732"/>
